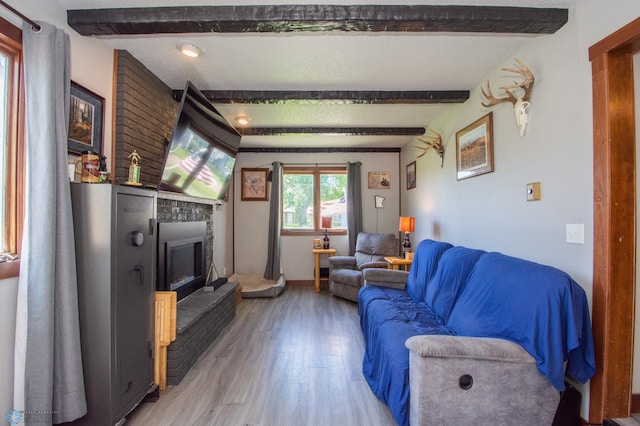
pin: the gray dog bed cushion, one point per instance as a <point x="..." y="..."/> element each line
<point x="254" y="285"/>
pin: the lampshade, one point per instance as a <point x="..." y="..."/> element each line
<point x="326" y="222"/>
<point x="407" y="224"/>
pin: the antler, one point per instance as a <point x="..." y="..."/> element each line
<point x="432" y="140"/>
<point x="526" y="85"/>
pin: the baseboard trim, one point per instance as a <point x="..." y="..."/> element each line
<point x="304" y="283"/>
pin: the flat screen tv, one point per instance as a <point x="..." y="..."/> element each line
<point x="200" y="156"/>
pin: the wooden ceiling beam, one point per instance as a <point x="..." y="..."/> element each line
<point x="342" y="131"/>
<point x="302" y="97"/>
<point x="316" y="18"/>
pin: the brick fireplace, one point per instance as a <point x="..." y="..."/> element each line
<point x="145" y="115"/>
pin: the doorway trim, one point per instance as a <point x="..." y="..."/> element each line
<point x="614" y="202"/>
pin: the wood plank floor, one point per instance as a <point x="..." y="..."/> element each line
<point x="292" y="360"/>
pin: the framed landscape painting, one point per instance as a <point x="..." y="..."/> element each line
<point x="85" y="120"/>
<point x="411" y="175"/>
<point x="474" y="148"/>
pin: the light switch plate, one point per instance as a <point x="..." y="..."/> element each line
<point x="533" y="191"/>
<point x="575" y="233"/>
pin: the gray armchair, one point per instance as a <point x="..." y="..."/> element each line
<point x="345" y="272"/>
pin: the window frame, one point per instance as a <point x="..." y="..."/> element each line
<point x="11" y="46"/>
<point x="316" y="172"/>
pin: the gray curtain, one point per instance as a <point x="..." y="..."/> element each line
<point x="354" y="204"/>
<point x="272" y="269"/>
<point x="48" y="380"/>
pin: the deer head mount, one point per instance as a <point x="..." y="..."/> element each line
<point x="520" y="104"/>
<point x="431" y="140"/>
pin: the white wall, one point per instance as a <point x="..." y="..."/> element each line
<point x="222" y="240"/>
<point x="92" y="67"/>
<point x="490" y="211"/>
<point x="251" y="218"/>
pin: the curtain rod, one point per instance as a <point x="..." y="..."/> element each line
<point x="34" y="26"/>
<point x="314" y="164"/>
<point x="300" y="164"/>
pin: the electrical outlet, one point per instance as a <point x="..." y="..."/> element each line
<point x="533" y="191"/>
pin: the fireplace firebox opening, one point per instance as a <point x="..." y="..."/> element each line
<point x="181" y="257"/>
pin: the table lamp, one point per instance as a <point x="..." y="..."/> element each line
<point x="326" y="224"/>
<point x="407" y="225"/>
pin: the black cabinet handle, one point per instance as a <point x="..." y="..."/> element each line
<point x="140" y="270"/>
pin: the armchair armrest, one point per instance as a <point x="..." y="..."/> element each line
<point x="342" y="262"/>
<point x="466" y="380"/>
<point x="376" y="264"/>
<point x="385" y="277"/>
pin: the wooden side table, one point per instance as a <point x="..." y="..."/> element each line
<point x="395" y="263"/>
<point x="317" y="252"/>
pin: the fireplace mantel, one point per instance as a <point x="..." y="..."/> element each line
<point x="166" y="195"/>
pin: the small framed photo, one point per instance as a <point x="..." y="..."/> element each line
<point x="85" y="120"/>
<point x="411" y="175"/>
<point x="474" y="148"/>
<point x="254" y="185"/>
<point x="379" y="180"/>
<point x="317" y="243"/>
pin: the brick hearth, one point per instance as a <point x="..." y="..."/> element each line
<point x="200" y="319"/>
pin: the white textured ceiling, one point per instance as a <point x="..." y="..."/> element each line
<point x="324" y="61"/>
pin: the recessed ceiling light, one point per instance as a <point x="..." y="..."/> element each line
<point x="242" y="120"/>
<point x="190" y="49"/>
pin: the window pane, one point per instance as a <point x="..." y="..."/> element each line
<point x="333" y="201"/>
<point x="4" y="99"/>
<point x="297" y="201"/>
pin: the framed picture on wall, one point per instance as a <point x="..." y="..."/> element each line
<point x="85" y="120"/>
<point x="254" y="185"/>
<point x="411" y="175"/>
<point x="474" y="148"/>
<point x="379" y="180"/>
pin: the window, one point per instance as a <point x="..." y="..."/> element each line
<point x="10" y="146"/>
<point x="310" y="194"/>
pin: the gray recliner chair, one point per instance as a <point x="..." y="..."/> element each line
<point x="345" y="272"/>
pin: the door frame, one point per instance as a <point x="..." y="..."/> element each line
<point x="614" y="202"/>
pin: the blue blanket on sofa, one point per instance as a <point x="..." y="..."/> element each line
<point x="392" y="316"/>
<point x="461" y="291"/>
<point x="536" y="306"/>
<point x="386" y="367"/>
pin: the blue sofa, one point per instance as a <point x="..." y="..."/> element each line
<point x="470" y="337"/>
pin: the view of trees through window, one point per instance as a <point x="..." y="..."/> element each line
<point x="310" y="194"/>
